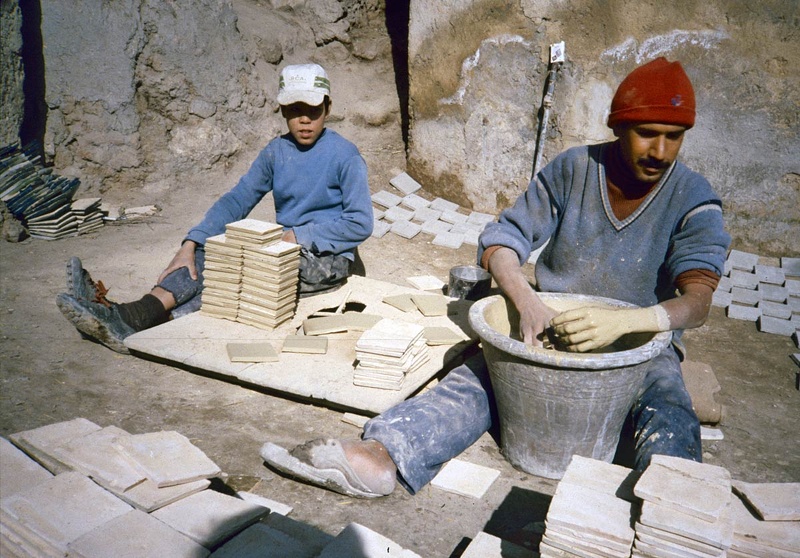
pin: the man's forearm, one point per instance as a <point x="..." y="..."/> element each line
<point x="534" y="314"/>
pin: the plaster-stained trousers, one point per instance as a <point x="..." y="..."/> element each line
<point x="422" y="433"/>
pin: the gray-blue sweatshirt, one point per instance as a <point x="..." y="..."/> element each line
<point x="677" y="228"/>
<point x="320" y="192"/>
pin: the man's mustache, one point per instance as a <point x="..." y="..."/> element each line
<point x="654" y="163"/>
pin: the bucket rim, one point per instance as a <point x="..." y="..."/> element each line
<point x="562" y="359"/>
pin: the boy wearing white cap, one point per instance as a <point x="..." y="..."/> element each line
<point x="318" y="180"/>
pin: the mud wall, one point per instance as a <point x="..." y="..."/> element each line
<point x="477" y="73"/>
<point x="140" y="93"/>
<point x="140" y="96"/>
<point x="12" y="100"/>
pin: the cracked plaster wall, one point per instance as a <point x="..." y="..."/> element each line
<point x="477" y="73"/>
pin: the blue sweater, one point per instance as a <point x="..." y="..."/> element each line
<point x="677" y="228"/>
<point x="320" y="192"/>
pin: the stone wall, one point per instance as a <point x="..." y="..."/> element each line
<point x="141" y="94"/>
<point x="161" y="90"/>
<point x="12" y="100"/>
<point x="477" y="73"/>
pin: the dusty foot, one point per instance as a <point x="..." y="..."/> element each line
<point x="371" y="462"/>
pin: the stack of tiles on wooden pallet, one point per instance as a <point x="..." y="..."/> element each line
<point x="387" y="352"/>
<point x="251" y="275"/>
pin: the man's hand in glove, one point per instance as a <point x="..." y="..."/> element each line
<point x="593" y="327"/>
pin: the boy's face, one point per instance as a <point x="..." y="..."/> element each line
<point x="305" y="122"/>
<point x="648" y="150"/>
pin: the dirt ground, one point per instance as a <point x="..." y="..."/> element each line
<point x="49" y="374"/>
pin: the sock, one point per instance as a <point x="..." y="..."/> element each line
<point x="144" y="313"/>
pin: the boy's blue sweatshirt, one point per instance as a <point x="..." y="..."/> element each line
<point x="320" y="192"/>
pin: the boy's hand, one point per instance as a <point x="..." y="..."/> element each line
<point x="592" y="327"/>
<point x="183" y="258"/>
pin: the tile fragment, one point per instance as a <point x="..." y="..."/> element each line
<point x="435" y="226"/>
<point x="257" y="351"/>
<point x="443" y="205"/>
<point x="380" y="228"/>
<point x="386" y="199"/>
<point x="485" y="545"/>
<point x="777" y="326"/>
<point x="426" y="282"/>
<point x="135" y="535"/>
<point x="405" y="183"/>
<point x="414" y="202"/>
<point x="464" y="478"/>
<point x="449" y="240"/>
<point x="742" y="260"/>
<point x="167" y="458"/>
<point x="773" y="501"/>
<point x="406" y="229"/>
<point x="747" y="313"/>
<point x="357" y="540"/>
<point x="209" y="517"/>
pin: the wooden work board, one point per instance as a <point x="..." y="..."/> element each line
<point x="199" y="341"/>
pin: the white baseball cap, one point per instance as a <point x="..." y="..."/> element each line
<point x="303" y="83"/>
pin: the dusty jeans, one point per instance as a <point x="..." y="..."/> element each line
<point x="424" y="432"/>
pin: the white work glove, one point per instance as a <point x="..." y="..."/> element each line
<point x="593" y="327"/>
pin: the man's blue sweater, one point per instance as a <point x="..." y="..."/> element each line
<point x="677" y="228"/>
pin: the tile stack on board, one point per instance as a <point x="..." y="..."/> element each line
<point x="221" y="278"/>
<point x="251" y="274"/>
<point x="590" y="513"/>
<point x="387" y="352"/>
<point x="269" y="284"/>
<point x="686" y="509"/>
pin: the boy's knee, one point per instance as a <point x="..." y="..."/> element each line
<point x="180" y="284"/>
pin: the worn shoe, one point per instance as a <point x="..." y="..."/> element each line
<point x="81" y="286"/>
<point x="323" y="463"/>
<point x="98" y="322"/>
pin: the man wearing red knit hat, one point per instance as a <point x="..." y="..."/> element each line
<point x="625" y="220"/>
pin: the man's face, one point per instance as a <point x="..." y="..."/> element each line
<point x="305" y="122"/>
<point x="648" y="150"/>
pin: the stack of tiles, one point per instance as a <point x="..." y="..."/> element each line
<point x="387" y="352"/>
<point x="590" y="513"/>
<point x="251" y="274"/>
<point x="686" y="509"/>
<point x="222" y="278"/>
<point x="252" y="233"/>
<point x="87" y="212"/>
<point x="779" y="536"/>
<point x="269" y="284"/>
<point x="102" y="492"/>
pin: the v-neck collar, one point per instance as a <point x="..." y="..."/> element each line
<point x="601" y="175"/>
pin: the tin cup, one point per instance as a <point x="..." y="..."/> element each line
<point x="469" y="282"/>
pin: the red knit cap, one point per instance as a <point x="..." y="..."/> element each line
<point x="658" y="92"/>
